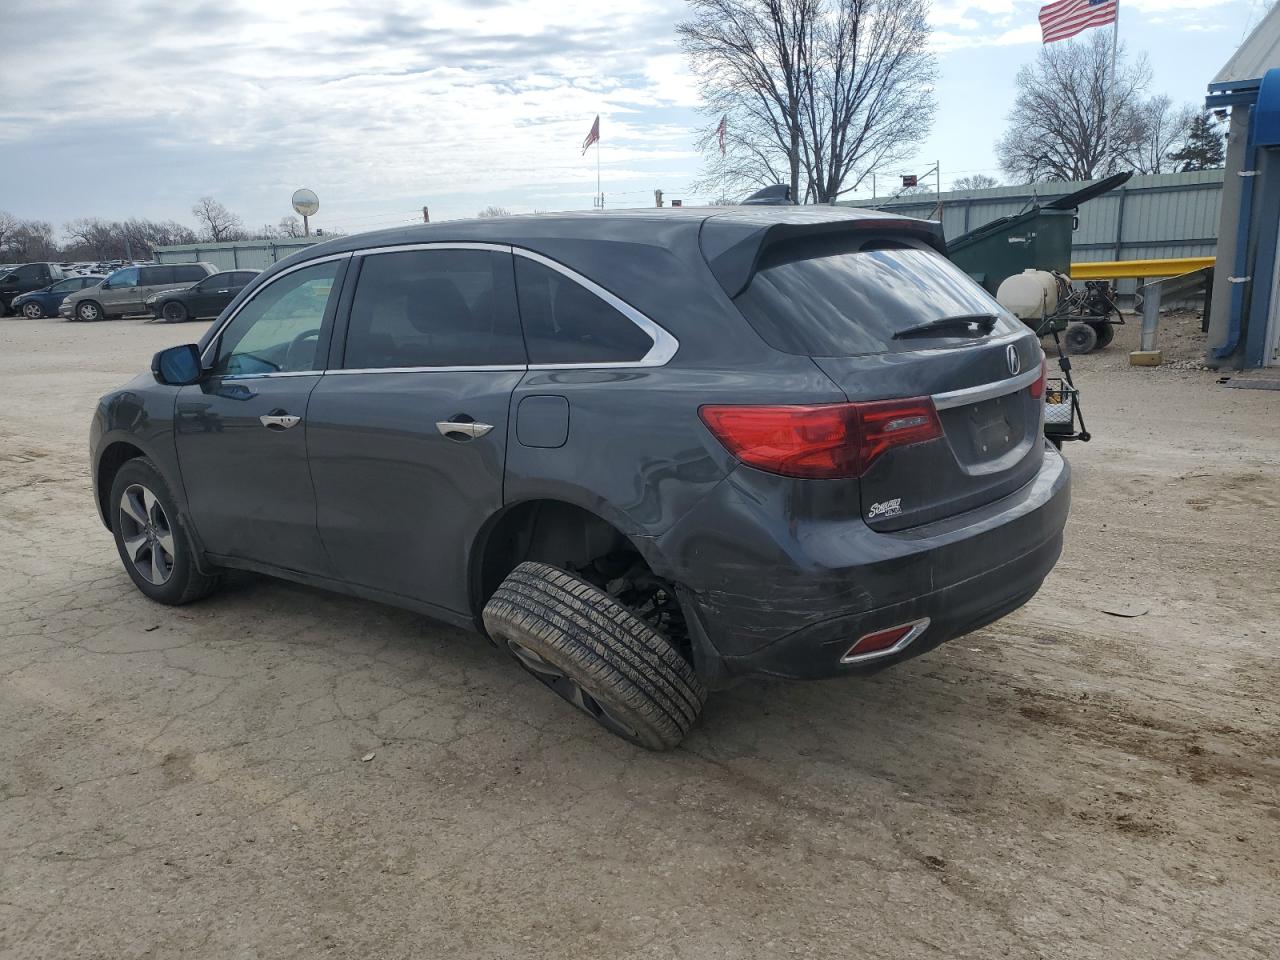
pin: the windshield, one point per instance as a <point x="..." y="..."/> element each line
<point x="822" y="299"/>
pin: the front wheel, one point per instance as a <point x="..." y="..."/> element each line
<point x="174" y="312"/>
<point x="32" y="310"/>
<point x="1080" y="338"/>
<point x="596" y="654"/>
<point x="89" y="311"/>
<point x="154" y="545"/>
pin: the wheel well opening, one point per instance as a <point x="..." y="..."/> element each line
<point x="574" y="539"/>
<point x="113" y="458"/>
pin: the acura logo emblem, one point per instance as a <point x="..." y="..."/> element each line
<point x="1014" y="361"/>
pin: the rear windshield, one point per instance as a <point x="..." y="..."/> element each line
<point x="823" y="299"/>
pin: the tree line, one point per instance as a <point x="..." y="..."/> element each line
<point x="95" y="238"/>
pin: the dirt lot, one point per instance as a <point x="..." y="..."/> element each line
<point x="1065" y="784"/>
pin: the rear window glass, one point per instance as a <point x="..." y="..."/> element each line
<point x="822" y="300"/>
<point x="183" y="273"/>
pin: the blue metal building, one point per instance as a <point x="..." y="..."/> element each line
<point x="1245" y="311"/>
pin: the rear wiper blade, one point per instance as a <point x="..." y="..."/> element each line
<point x="962" y="324"/>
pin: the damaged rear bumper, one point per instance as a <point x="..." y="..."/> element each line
<point x="788" y="599"/>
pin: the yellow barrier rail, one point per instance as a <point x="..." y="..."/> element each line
<point x="1145" y="269"/>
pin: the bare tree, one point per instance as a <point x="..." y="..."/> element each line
<point x="219" y="223"/>
<point x="290" y="226"/>
<point x="975" y="181"/>
<point x="815" y="93"/>
<point x="494" y="211"/>
<point x="1059" y="129"/>
<point x="1153" y="131"/>
<point x="8" y="223"/>
<point x="27" y="239"/>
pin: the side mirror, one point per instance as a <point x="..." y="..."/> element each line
<point x="178" y="366"/>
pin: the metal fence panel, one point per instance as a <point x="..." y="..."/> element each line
<point x="1146" y="215"/>
<point x="240" y="255"/>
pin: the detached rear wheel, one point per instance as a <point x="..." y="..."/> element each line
<point x="154" y="546"/>
<point x="596" y="654"/>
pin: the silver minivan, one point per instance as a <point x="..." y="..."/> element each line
<point x="127" y="289"/>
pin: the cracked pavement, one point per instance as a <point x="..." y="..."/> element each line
<point x="1064" y="784"/>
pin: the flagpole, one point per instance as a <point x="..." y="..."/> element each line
<point x="599" y="195"/>
<point x="1109" y="115"/>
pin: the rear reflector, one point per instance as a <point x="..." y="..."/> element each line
<point x="822" y="441"/>
<point x="1037" y="388"/>
<point x="882" y="643"/>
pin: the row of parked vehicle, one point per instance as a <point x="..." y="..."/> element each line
<point x="170" y="292"/>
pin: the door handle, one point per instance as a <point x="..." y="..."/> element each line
<point x="467" y="428"/>
<point x="276" y="421"/>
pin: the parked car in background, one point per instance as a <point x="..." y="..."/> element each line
<point x="24" y="279"/>
<point x="46" y="301"/>
<point x="646" y="453"/>
<point x="206" y="299"/>
<point x="126" y="290"/>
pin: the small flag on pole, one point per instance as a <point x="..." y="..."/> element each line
<point x="722" y="131"/>
<point x="593" y="136"/>
<point x="1065" y="18"/>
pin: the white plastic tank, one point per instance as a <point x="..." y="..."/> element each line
<point x="1029" y="295"/>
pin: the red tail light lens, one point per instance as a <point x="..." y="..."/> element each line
<point x="824" y="441"/>
<point x="1037" y="388"/>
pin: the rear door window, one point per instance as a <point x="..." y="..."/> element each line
<point x="187" y="273"/>
<point x="824" y="299"/>
<point x="434" y="308"/>
<point x="154" y="276"/>
<point x="564" y="322"/>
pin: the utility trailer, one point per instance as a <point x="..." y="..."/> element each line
<point x="1032" y="250"/>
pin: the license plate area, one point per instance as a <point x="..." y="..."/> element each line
<point x="993" y="426"/>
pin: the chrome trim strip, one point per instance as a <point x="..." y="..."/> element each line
<point x="441" y="245"/>
<point x="917" y="627"/>
<point x="986" y="391"/>
<point x="495" y="368"/>
<point x="283" y="273"/>
<point x="263" y="376"/>
<point x="664" y="344"/>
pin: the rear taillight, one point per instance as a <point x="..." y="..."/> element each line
<point x="823" y="441"/>
<point x="1037" y="388"/>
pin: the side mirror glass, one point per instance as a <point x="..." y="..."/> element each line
<point x="178" y="366"/>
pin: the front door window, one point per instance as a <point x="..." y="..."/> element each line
<point x="278" y="331"/>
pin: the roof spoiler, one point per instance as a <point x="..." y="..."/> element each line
<point x="733" y="248"/>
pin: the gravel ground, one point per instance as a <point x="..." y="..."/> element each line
<point x="1067" y="783"/>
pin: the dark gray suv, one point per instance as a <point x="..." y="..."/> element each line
<point x="646" y="452"/>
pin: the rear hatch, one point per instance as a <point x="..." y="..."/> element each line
<point x="888" y="317"/>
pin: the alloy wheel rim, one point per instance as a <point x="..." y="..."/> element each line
<point x="147" y="535"/>
<point x="88" y="311"/>
<point x="32" y="311"/>
<point x="568" y="689"/>
<point x="172" y="311"/>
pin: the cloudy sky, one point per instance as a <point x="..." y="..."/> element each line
<point x="121" y="108"/>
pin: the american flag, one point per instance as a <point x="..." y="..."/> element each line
<point x="722" y="131"/>
<point x="1066" y="18"/>
<point x="593" y="136"/>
